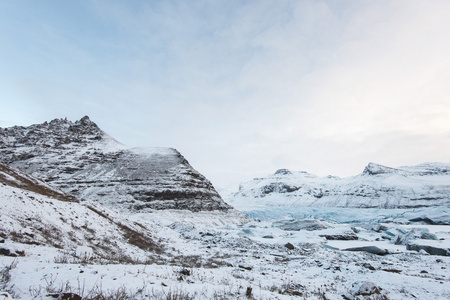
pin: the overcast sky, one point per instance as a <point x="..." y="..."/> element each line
<point x="240" y="88"/>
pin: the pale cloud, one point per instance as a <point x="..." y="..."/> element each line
<point x="241" y="88"/>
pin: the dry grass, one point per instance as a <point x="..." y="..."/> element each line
<point x="141" y="239"/>
<point x="5" y="278"/>
<point x="64" y="289"/>
<point x="24" y="182"/>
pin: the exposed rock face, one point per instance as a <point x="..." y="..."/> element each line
<point x="377" y="187"/>
<point x="82" y="160"/>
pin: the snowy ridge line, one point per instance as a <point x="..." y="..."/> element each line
<point x="378" y="186"/>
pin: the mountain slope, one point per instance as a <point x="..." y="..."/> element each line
<point x="31" y="214"/>
<point x="84" y="161"/>
<point x="377" y="187"/>
<point x="15" y="178"/>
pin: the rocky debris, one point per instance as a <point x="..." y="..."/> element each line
<point x="424" y="245"/>
<point x="369" y="249"/>
<point x="81" y="159"/>
<point x="297" y="225"/>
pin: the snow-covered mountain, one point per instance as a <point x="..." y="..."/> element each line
<point x="81" y="159"/>
<point x="377" y="187"/>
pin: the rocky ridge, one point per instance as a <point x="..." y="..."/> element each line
<point x="377" y="187"/>
<point x="81" y="159"/>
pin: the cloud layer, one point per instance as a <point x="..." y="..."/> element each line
<point x="241" y="88"/>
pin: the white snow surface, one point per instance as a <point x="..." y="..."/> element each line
<point x="206" y="255"/>
<point x="377" y="187"/>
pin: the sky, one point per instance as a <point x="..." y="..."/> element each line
<point x="240" y="88"/>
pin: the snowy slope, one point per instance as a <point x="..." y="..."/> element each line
<point x="377" y="187"/>
<point x="33" y="216"/>
<point x="95" y="252"/>
<point x="82" y="160"/>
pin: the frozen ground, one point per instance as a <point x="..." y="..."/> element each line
<point x="50" y="247"/>
<point x="223" y="260"/>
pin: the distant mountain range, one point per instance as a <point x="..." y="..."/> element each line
<point x="83" y="161"/>
<point x="86" y="163"/>
<point x="378" y="186"/>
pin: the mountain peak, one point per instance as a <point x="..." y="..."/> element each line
<point x="283" y="172"/>
<point x="85" y="121"/>
<point x="376" y="169"/>
<point x="81" y="159"/>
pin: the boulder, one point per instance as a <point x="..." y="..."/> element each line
<point x="289" y="246"/>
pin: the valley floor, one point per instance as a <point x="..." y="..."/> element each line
<point x="232" y="261"/>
